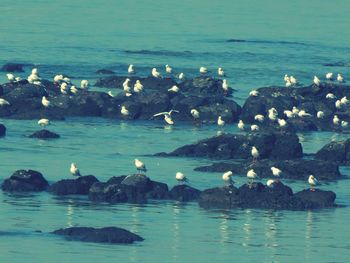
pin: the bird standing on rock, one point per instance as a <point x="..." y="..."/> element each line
<point x="220" y="121"/>
<point x="140" y="166"/>
<point x="255" y="154"/>
<point x="180" y="177"/>
<point x="43" y="122"/>
<point x="45" y="102"/>
<point x="312" y="182"/>
<point x="227" y="178"/>
<point x="74" y="170"/>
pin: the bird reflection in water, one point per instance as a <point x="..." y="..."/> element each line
<point x="271" y="232"/>
<point x="247" y="227"/>
<point x="70" y="212"/>
<point x="308" y="235"/>
<point x="176" y="230"/>
<point x="135" y="223"/>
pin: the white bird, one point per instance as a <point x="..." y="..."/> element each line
<point x="254" y="127"/>
<point x="168" y="119"/>
<point x="74" y="170"/>
<point x="140" y="166"/>
<point x="254" y="93"/>
<point x="84" y="84"/>
<point x="35" y="71"/>
<point x="220" y="121"/>
<point x="270" y="183"/>
<point x="18" y="78"/>
<point x="288" y="113"/>
<point x="221" y="72"/>
<point x="338" y="104"/>
<point x="282" y="122"/>
<point x="74" y="90"/>
<point x="110" y="93"/>
<point x="275" y="171"/>
<point x="131" y="69"/>
<point x="303" y="113"/>
<point x="320" y="114"/>
<point x="43" y="122"/>
<point x="272" y="114"/>
<point x="165" y="113"/>
<point x="126" y="86"/>
<point x="225" y="85"/>
<point x="295" y="110"/>
<point x="317" y="81"/>
<point x="155" y="73"/>
<point x="336" y="120"/>
<point x="180" y="177"/>
<point x="255" y="153"/>
<point x="312" y="182"/>
<point x="344" y="100"/>
<point x="203" y="70"/>
<point x="251" y="175"/>
<point x="330" y="96"/>
<point x="293" y="80"/>
<point x="344" y="124"/>
<point x="138" y="87"/>
<point x="288" y="84"/>
<point x="58" y="78"/>
<point x="124" y="111"/>
<point x="329" y="76"/>
<point x="259" y="118"/>
<point x="174" y="89"/>
<point x="63" y="88"/>
<point x="168" y="69"/>
<point x="66" y="79"/>
<point x="286" y="78"/>
<point x="340" y="78"/>
<point x="195" y="113"/>
<point x="181" y="76"/>
<point x="10" y="77"/>
<point x="240" y="125"/>
<point x="3" y="102"/>
<point x="227" y="177"/>
<point x="45" y="102"/>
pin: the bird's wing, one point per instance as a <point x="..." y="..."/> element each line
<point x="161" y="113"/>
<point x="171" y="111"/>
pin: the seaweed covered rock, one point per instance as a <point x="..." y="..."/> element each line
<point x="25" y="181"/>
<point x="113" y="235"/>
<point x="78" y="186"/>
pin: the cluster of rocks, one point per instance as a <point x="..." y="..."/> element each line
<point x="139" y="188"/>
<point x="337" y="151"/>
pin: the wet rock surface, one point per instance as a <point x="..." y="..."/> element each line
<point x="230" y="146"/>
<point x="44" y="134"/>
<point x="184" y="193"/>
<point x="338" y="151"/>
<point x="13" y="67"/>
<point x="2" y="130"/>
<point x="113" y="235"/>
<point x="25" y="181"/>
<point x="78" y="186"/>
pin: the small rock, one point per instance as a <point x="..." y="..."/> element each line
<point x="44" y="134"/>
<point x="79" y="186"/>
<point x="25" y="181"/>
<point x="184" y="193"/>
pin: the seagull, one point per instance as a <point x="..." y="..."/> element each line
<point x="174" y="89"/>
<point x="10" y="77"/>
<point x="254" y="93"/>
<point x="35" y="71"/>
<point x="317" y="81"/>
<point x="312" y="182"/>
<point x="225" y="85"/>
<point x="84" y="84"/>
<point x="180" y="177"/>
<point x="344" y="124"/>
<point x="126" y="86"/>
<point x="227" y="177"/>
<point x="286" y="78"/>
<point x="270" y="183"/>
<point x="74" y="170"/>
<point x="330" y="96"/>
<point x="4" y="102"/>
<point x="165" y="113"/>
<point x="43" y="122"/>
<point x="251" y="176"/>
<point x="293" y="80"/>
<point x="320" y="114"/>
<point x="63" y="88"/>
<point x="288" y="84"/>
<point x="67" y="80"/>
<point x="336" y="120"/>
<point x="340" y="78"/>
<point x="45" y="102"/>
<point x="259" y="118"/>
<point x="221" y="72"/>
<point x="203" y="70"/>
<point x="58" y="78"/>
<point x="181" y="76"/>
<point x="155" y="73"/>
<point x="74" y="90"/>
<point x="288" y="113"/>
<point x="220" y="122"/>
<point x="275" y="171"/>
<point x="295" y="110"/>
<point x="168" y="119"/>
<point x="282" y="122"/>
<point x="254" y="127"/>
<point x="195" y="113"/>
<point x="124" y="111"/>
<point x="329" y="76"/>
<point x="273" y="114"/>
<point x="138" y="87"/>
<point x="240" y="125"/>
<point x="303" y="113"/>
<point x="255" y="153"/>
<point x="140" y="166"/>
<point x="131" y="69"/>
<point x="344" y="100"/>
<point x="338" y="104"/>
<point x="168" y="69"/>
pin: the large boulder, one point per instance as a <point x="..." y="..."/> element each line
<point x="113" y="235"/>
<point x="297" y="169"/>
<point x="79" y="186"/>
<point x="184" y="193"/>
<point x="219" y="197"/>
<point x="44" y="134"/>
<point x="2" y="130"/>
<point x="230" y="146"/>
<point x="315" y="199"/>
<point x="338" y="151"/>
<point x="204" y="86"/>
<point x="25" y="181"/>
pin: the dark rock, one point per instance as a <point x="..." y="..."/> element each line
<point x="219" y="197"/>
<point x="158" y="191"/>
<point x="2" y="130"/>
<point x="297" y="169"/>
<point x="79" y="186"/>
<point x="338" y="151"/>
<point x="44" y="134"/>
<point x="25" y="181"/>
<point x="105" y="71"/>
<point x="315" y="199"/>
<point x="229" y="146"/>
<point x="204" y="86"/>
<point x="112" y="235"/>
<point x="12" y="67"/>
<point x="184" y="193"/>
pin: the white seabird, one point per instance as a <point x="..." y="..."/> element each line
<point x="74" y="170"/>
<point x="10" y="77"/>
<point x="181" y="76"/>
<point x="220" y="121"/>
<point x="174" y="89"/>
<point x="58" y="78"/>
<point x="131" y="69"/>
<point x="254" y="93"/>
<point x="168" y="69"/>
<point x="74" y="90"/>
<point x="320" y="114"/>
<point x="155" y="73"/>
<point x="138" y="87"/>
<point x="282" y="122"/>
<point x="270" y="183"/>
<point x="240" y="125"/>
<point x="329" y="76"/>
<point x="110" y="93"/>
<point x="140" y="166"/>
<point x="338" y="104"/>
<point x="221" y="72"/>
<point x="4" y="102"/>
<point x="340" y="78"/>
<point x="272" y="114"/>
<point x="225" y="85"/>
<point x="254" y="127"/>
<point x="195" y="113"/>
<point x="286" y="78"/>
<point x="227" y="178"/>
<point x="344" y="124"/>
<point x="312" y="182"/>
<point x="293" y="80"/>
<point x="255" y="153"/>
<point x="45" y="102"/>
<point x="259" y="118"/>
<point x="288" y="113"/>
<point x="336" y="120"/>
<point x="330" y="96"/>
<point x="203" y="70"/>
<point x="124" y="111"/>
<point x="344" y="100"/>
<point x="317" y="81"/>
<point x="303" y="114"/>
<point x="275" y="171"/>
<point x="84" y="84"/>
<point x="43" y="122"/>
<point x="180" y="177"/>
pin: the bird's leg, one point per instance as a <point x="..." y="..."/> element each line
<point x="312" y="189"/>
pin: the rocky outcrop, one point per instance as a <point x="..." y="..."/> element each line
<point x="25" y="181"/>
<point x="184" y="193"/>
<point x="44" y="134"/>
<point x="79" y="186"/>
<point x="257" y="195"/>
<point x="112" y="235"/>
<point x="2" y="130"/>
<point x="12" y="67"/>
<point x="230" y="146"/>
<point x="338" y="151"/>
<point x="297" y="169"/>
<point x="135" y="188"/>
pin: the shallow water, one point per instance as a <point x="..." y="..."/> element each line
<point x="77" y="38"/>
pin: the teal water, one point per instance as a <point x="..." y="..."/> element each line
<point x="77" y="38"/>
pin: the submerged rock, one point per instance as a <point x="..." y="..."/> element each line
<point x="338" y="151"/>
<point x="79" y="186"/>
<point x="44" y="134"/>
<point x="230" y="146"/>
<point x="2" y="130"/>
<point x="25" y="181"/>
<point x="184" y="193"/>
<point x="105" y="71"/>
<point x="12" y="67"/>
<point x="112" y="235"/>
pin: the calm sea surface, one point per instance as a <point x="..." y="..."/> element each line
<point x="77" y="37"/>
